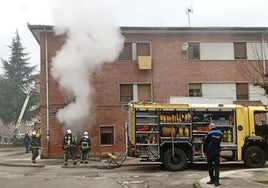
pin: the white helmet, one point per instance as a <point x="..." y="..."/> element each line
<point x="85" y="133"/>
<point x="33" y="133"/>
<point x="69" y="131"/>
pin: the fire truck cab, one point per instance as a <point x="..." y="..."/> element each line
<point x="173" y="134"/>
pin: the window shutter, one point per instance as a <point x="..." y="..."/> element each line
<point x="240" y="50"/>
<point x="144" y="92"/>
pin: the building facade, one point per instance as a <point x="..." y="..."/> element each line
<point x="163" y="65"/>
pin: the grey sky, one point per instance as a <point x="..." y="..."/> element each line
<point x="14" y="14"/>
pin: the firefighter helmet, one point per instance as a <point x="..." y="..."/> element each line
<point x="69" y="131"/>
<point x="85" y="133"/>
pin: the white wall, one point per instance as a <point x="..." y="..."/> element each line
<point x="225" y="51"/>
<point x="219" y="90"/>
<point x="216" y="51"/>
<point x="199" y="100"/>
<point x="221" y="94"/>
<point x="254" y="51"/>
<point x="256" y="93"/>
<point x="212" y="94"/>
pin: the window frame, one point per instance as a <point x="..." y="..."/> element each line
<point x="238" y="50"/>
<point x="135" y="50"/>
<point x="120" y="93"/>
<point x="193" y="51"/>
<point x="113" y="135"/>
<point x="68" y="96"/>
<point x="124" y="52"/>
<point x="135" y="94"/>
<point x="195" y="87"/>
<point x="240" y="96"/>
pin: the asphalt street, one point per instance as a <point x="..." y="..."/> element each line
<point x="131" y="174"/>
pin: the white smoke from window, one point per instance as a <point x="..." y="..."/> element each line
<point x="92" y="38"/>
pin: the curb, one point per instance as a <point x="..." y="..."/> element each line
<point x="22" y="165"/>
<point x="196" y="185"/>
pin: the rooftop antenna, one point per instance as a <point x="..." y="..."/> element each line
<point x="188" y="12"/>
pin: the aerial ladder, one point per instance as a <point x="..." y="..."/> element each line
<point x="18" y="122"/>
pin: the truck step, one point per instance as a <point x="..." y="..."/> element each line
<point x="144" y="158"/>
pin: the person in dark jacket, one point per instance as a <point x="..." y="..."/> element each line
<point x="34" y="146"/>
<point x="85" y="146"/>
<point x="212" y="149"/>
<point x="27" y="141"/>
<point x="69" y="145"/>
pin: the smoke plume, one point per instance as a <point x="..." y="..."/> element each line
<point x="92" y="38"/>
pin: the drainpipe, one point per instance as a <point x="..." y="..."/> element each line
<point x="263" y="53"/>
<point x="47" y="97"/>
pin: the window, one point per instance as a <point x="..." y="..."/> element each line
<point x="242" y="91"/>
<point x="143" y="49"/>
<point x="135" y="92"/>
<point x="126" y="54"/>
<point x="126" y="92"/>
<point x="193" y="51"/>
<point x="195" y="90"/>
<point x="68" y="96"/>
<point x="261" y="123"/>
<point x="107" y="135"/>
<point x="144" y="92"/>
<point x="240" y="50"/>
<point x="132" y="50"/>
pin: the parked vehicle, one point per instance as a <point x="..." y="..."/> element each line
<point x="173" y="134"/>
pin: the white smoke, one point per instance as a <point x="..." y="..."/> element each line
<point x="92" y="38"/>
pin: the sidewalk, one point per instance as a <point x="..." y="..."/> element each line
<point x="17" y="157"/>
<point x="257" y="178"/>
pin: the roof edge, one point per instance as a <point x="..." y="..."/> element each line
<point x="37" y="29"/>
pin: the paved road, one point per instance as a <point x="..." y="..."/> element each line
<point x="17" y="171"/>
<point x="52" y="174"/>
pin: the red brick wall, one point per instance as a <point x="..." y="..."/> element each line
<point x="170" y="76"/>
<point x="51" y="142"/>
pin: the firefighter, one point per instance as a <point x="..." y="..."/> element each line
<point x="85" y="146"/>
<point x="27" y="141"/>
<point x="34" y="146"/>
<point x="69" y="145"/>
<point x="212" y="150"/>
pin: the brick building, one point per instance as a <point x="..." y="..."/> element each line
<point x="160" y="65"/>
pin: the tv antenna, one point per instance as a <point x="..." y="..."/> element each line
<point x="188" y="12"/>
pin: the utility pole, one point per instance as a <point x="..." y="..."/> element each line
<point x="188" y="12"/>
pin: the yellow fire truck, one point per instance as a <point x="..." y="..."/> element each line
<point x="173" y="134"/>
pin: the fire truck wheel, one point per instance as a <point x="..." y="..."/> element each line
<point x="254" y="157"/>
<point x="176" y="162"/>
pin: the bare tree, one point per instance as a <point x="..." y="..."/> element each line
<point x="256" y="71"/>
